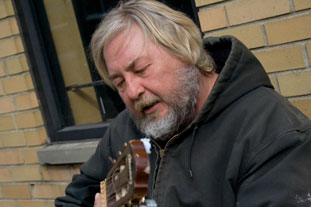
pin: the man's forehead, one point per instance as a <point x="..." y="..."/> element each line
<point x="126" y="50"/>
<point x="128" y="37"/>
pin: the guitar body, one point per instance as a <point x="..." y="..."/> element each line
<point x="127" y="181"/>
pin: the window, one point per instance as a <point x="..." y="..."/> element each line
<point x="75" y="102"/>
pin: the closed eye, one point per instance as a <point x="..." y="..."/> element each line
<point x="142" y="70"/>
<point x="119" y="83"/>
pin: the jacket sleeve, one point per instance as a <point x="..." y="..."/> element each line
<point x="81" y="191"/>
<point x="278" y="174"/>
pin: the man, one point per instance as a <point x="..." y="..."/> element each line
<point x="221" y="135"/>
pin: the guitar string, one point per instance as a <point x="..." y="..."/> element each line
<point x="112" y="184"/>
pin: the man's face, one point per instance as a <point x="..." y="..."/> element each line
<point x="159" y="90"/>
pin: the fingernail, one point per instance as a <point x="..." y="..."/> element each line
<point x="97" y="195"/>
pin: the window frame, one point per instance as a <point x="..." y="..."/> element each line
<point x="40" y="67"/>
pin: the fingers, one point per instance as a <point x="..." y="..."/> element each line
<point x="97" y="201"/>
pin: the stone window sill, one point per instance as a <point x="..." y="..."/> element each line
<point x="67" y="153"/>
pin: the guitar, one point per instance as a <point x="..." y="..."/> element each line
<point x="126" y="184"/>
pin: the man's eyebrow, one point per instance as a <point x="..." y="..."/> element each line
<point x="131" y="65"/>
<point x="128" y="68"/>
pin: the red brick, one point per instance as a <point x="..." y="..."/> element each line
<point x="17" y="84"/>
<point x="5" y="175"/>
<point x="26" y="101"/>
<point x="13" y="139"/>
<point x="4" y="203"/>
<point x="295" y="84"/>
<point x="6" y="104"/>
<point x="1" y="89"/>
<point x="289" y="30"/>
<point x="250" y="10"/>
<point x="303" y="105"/>
<point x="211" y="19"/>
<point x="16" y="191"/>
<point x="31" y="156"/>
<point x="17" y="64"/>
<point x="29" y="119"/>
<point x="2" y="71"/>
<point x="49" y="191"/>
<point x="273" y="81"/>
<point x="6" y="8"/>
<point x="206" y="2"/>
<point x="302" y="4"/>
<point x="11" y="46"/>
<point x="281" y="59"/>
<point x="35" y="137"/>
<point x="250" y="35"/>
<point x="34" y="203"/>
<point x="309" y="52"/>
<point x="58" y="173"/>
<point x="14" y="155"/>
<point x="9" y="27"/>
<point x="26" y="173"/>
<point x="6" y="123"/>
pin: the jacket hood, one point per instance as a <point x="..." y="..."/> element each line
<point x="239" y="73"/>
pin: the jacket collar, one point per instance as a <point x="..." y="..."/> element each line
<point x="239" y="73"/>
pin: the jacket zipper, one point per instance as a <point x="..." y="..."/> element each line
<point x="162" y="150"/>
<point x="159" y="160"/>
<point x="161" y="153"/>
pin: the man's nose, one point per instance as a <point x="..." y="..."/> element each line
<point x="134" y="88"/>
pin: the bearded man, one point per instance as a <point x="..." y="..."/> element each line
<point x="221" y="136"/>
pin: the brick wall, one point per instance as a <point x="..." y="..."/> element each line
<point x="23" y="182"/>
<point x="277" y="31"/>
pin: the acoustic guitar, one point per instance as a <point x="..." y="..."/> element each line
<point x="126" y="184"/>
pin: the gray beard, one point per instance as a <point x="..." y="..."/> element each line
<point x="181" y="108"/>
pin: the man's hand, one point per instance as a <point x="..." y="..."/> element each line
<point x="97" y="201"/>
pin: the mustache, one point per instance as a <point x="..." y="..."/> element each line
<point x="146" y="102"/>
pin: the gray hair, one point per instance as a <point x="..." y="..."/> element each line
<point x="171" y="29"/>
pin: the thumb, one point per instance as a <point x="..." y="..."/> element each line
<point x="97" y="201"/>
